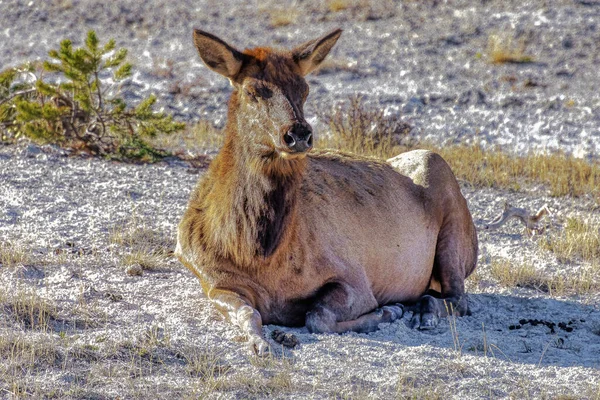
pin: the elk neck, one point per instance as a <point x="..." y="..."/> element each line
<point x="253" y="196"/>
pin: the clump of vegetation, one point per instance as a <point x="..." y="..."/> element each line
<point x="358" y="129"/>
<point x="579" y="240"/>
<point x="364" y="10"/>
<point x="199" y="138"/>
<point x="355" y="128"/>
<point x="504" y="49"/>
<point x="282" y="16"/>
<point x="513" y="275"/>
<point x="29" y="309"/>
<point x="584" y="280"/>
<point x="141" y="246"/>
<point x="80" y="106"/>
<point x="12" y="254"/>
<point x="564" y="174"/>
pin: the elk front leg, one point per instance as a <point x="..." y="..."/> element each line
<point x="239" y="312"/>
<point x="341" y="308"/>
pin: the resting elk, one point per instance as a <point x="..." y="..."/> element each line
<point x="279" y="233"/>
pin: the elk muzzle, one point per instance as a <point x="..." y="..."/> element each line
<point x="298" y="138"/>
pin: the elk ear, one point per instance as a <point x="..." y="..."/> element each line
<point x="218" y="55"/>
<point x="310" y="54"/>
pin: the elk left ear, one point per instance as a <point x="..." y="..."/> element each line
<point x="309" y="55"/>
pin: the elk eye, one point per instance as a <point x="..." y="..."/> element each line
<point x="251" y="95"/>
<point x="264" y="92"/>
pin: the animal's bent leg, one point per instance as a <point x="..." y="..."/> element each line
<point x="336" y="306"/>
<point x="449" y="269"/>
<point x="237" y="310"/>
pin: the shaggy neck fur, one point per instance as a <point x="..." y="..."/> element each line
<point x="252" y="199"/>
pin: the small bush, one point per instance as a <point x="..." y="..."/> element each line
<point x="78" y="108"/>
<point x="358" y="129"/>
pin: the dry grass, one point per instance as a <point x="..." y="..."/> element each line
<point x="14" y="254"/>
<point x="200" y="138"/>
<point x="24" y="356"/>
<point x="578" y="240"/>
<point x="279" y="16"/>
<point x="271" y="376"/>
<point x="356" y="128"/>
<point x="340" y="5"/>
<point x="523" y="275"/>
<point x="146" y="261"/>
<point x="204" y="364"/>
<point x="502" y="48"/>
<point x="583" y="281"/>
<point x="562" y="174"/>
<point x="408" y="388"/>
<point x="28" y="309"/>
<point x="363" y="10"/>
<point x="138" y="245"/>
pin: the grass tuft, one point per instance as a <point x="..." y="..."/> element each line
<point x="197" y="139"/>
<point x="279" y="17"/>
<point x="363" y="10"/>
<point x="504" y="49"/>
<point x="523" y="275"/>
<point x="339" y="5"/>
<point x="12" y="254"/>
<point x="141" y="246"/>
<point x="28" y="309"/>
<point x="583" y="281"/>
<point x="579" y="240"/>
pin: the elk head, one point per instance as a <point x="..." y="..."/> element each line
<point x="269" y="91"/>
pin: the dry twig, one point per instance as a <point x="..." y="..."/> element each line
<point x="530" y="221"/>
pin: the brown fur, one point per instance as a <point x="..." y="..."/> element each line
<point x="321" y="239"/>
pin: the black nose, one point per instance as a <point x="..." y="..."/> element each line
<point x="299" y="137"/>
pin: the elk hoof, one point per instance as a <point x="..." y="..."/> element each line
<point x="428" y="321"/>
<point x="424" y="322"/>
<point x="285" y="339"/>
<point x="392" y="313"/>
<point x="259" y="346"/>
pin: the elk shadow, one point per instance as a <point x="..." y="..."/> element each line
<point x="525" y="330"/>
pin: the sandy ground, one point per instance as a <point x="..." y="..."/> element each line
<point x="75" y="207"/>
<point x="154" y="335"/>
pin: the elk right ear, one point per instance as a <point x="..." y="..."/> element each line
<point x="309" y="55"/>
<point x="218" y="55"/>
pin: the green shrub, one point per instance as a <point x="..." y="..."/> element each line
<point x="80" y="107"/>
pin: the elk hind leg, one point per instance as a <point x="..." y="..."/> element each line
<point x="336" y="306"/>
<point x="453" y="262"/>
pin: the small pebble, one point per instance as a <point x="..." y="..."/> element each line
<point x="135" y="270"/>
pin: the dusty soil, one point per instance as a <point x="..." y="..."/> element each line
<point x="113" y="333"/>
